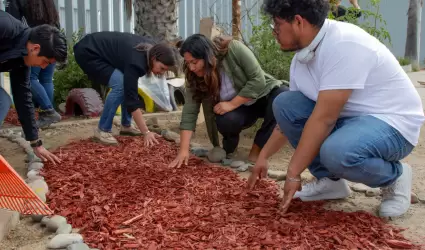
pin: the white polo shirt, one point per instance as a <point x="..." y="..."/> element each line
<point x="350" y="58"/>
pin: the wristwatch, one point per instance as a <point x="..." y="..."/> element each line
<point x="35" y="144"/>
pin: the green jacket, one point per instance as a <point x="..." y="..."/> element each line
<point x="248" y="79"/>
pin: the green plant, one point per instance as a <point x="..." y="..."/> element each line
<point x="403" y="61"/>
<point x="268" y="52"/>
<point x="71" y="76"/>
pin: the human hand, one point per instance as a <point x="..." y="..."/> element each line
<point x="222" y="108"/>
<point x="291" y="186"/>
<point x="182" y="157"/>
<point x="258" y="172"/>
<point x="150" y="139"/>
<point x="45" y="155"/>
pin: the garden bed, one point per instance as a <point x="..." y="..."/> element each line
<point x="126" y="197"/>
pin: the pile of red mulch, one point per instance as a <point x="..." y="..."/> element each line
<point x="126" y="197"/>
<point x="12" y="117"/>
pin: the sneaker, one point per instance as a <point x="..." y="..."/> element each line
<point x="48" y="117"/>
<point x="396" y="197"/>
<point x="324" y="189"/>
<point x="104" y="137"/>
<point x="131" y="131"/>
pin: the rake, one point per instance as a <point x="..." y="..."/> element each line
<point x="16" y="195"/>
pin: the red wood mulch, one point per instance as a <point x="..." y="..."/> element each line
<point x="126" y="197"/>
<point x="12" y="117"/>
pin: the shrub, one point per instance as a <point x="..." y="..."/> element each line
<point x="403" y="61"/>
<point x="71" y="76"/>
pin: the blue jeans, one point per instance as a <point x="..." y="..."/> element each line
<point x="42" y="86"/>
<point x="114" y="99"/>
<point x="360" y="149"/>
<point x="5" y="103"/>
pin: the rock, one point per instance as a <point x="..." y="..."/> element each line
<point x="421" y="196"/>
<point x="62" y="107"/>
<point x="244" y="167"/>
<point x="199" y="152"/>
<point x="64" y="240"/>
<point x="44" y="220"/>
<point x="38" y="177"/>
<point x="226" y="162"/>
<point x="42" y="196"/>
<point x="37" y="218"/>
<point x="360" y="187"/>
<point x="372" y="192"/>
<point x="31" y="157"/>
<point x="276" y="174"/>
<point x="170" y="135"/>
<point x="195" y="145"/>
<point x="35" y="166"/>
<point x="216" y="155"/>
<point x="78" y="246"/>
<point x="64" y="229"/>
<point x="39" y="186"/>
<point x="414" y="198"/>
<point x="33" y="174"/>
<point x="55" y="222"/>
<point x="236" y="164"/>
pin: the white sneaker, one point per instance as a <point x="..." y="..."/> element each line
<point x="324" y="189"/>
<point x="104" y="137"/>
<point x="396" y="197"/>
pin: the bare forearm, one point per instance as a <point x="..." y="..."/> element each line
<point x="314" y="134"/>
<point x="276" y="141"/>
<point x="140" y="121"/>
<point x="239" y="100"/>
<point x="185" y="136"/>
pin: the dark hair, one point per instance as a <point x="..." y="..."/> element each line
<point x="42" y="11"/>
<point x="212" y="52"/>
<point x="314" y="11"/>
<point x="161" y="52"/>
<point x="52" y="42"/>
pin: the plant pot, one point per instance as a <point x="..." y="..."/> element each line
<point x="407" y="68"/>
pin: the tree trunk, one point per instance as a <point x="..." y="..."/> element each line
<point x="412" y="50"/>
<point x="156" y="18"/>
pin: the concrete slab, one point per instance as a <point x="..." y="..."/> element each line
<point x="8" y="221"/>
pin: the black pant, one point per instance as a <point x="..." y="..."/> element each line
<point x="232" y="123"/>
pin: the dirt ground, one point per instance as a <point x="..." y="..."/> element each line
<point x="30" y="236"/>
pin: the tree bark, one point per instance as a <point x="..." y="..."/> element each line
<point x="156" y="18"/>
<point x="412" y="50"/>
<point x="236" y="19"/>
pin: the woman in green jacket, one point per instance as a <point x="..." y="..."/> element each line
<point x="225" y="77"/>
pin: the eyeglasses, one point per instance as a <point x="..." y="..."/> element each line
<point x="274" y="27"/>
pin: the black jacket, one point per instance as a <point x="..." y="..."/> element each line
<point x="99" y="54"/>
<point x="13" y="39"/>
<point x="17" y="9"/>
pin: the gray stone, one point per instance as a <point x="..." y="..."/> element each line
<point x="44" y="220"/>
<point x="37" y="218"/>
<point x="216" y="154"/>
<point x="276" y="174"/>
<point x="421" y="196"/>
<point x="42" y="196"/>
<point x="244" y="167"/>
<point x="33" y="174"/>
<point x="55" y="222"/>
<point x="35" y="166"/>
<point x="199" y="152"/>
<point x="226" y="162"/>
<point x="236" y="164"/>
<point x="170" y="135"/>
<point x="39" y="186"/>
<point x="372" y="192"/>
<point x="38" y="177"/>
<point x="195" y="145"/>
<point x="78" y="246"/>
<point x="360" y="187"/>
<point x="414" y="198"/>
<point x="64" y="240"/>
<point x="64" y="229"/>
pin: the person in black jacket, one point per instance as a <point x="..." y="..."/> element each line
<point x="22" y="47"/>
<point x="38" y="12"/>
<point x="117" y="60"/>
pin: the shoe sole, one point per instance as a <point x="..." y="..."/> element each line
<point x="322" y="197"/>
<point x="102" y="142"/>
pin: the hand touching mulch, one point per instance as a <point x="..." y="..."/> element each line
<point x="126" y="197"/>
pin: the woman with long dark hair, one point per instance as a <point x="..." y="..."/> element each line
<point x="225" y="77"/>
<point x="35" y="13"/>
<point x="117" y="60"/>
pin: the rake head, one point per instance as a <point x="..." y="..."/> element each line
<point x="16" y="195"/>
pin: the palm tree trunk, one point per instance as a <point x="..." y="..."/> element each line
<point x="412" y="50"/>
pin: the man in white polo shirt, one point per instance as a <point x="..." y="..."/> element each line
<point x="352" y="112"/>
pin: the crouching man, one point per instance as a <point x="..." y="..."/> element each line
<point x="352" y="113"/>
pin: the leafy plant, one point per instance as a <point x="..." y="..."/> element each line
<point x="403" y="61"/>
<point x="71" y="76"/>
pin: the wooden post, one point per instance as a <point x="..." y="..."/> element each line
<point x="236" y="19"/>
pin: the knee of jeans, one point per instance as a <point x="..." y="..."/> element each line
<point x="229" y="123"/>
<point x="337" y="155"/>
<point x="291" y="105"/>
